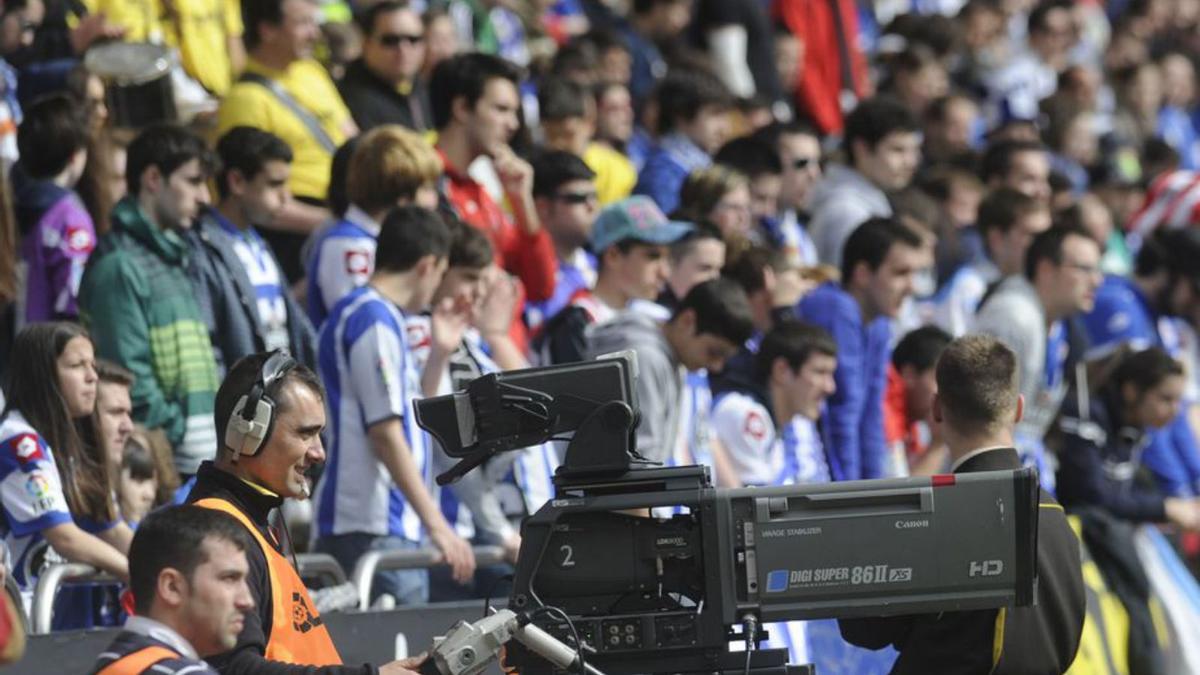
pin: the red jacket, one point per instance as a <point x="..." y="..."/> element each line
<point x="530" y="257"/>
<point x="819" y="78"/>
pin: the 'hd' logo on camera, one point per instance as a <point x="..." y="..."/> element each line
<point x="985" y="568"/>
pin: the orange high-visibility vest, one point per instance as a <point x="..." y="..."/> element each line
<point x="136" y="663"/>
<point x="298" y="636"/>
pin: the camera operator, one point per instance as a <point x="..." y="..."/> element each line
<point x="976" y="408"/>
<point x="187" y="572"/>
<point x="261" y="463"/>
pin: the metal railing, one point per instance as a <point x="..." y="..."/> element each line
<point x="14" y="596"/>
<point x="47" y="587"/>
<point x="323" y="565"/>
<point x="408" y="559"/>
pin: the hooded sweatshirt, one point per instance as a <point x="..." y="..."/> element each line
<point x="840" y="203"/>
<point x="57" y="236"/>
<point x="659" y="378"/>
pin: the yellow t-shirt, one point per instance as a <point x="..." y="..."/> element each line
<point x="615" y="175"/>
<point x="141" y="19"/>
<point x="200" y="30"/>
<point x="252" y="105"/>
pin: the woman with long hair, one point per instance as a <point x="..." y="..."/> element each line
<point x="51" y="488"/>
<point x="1106" y="433"/>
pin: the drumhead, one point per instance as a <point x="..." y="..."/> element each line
<point x="127" y="63"/>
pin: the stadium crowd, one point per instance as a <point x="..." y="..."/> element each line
<point x="786" y="208"/>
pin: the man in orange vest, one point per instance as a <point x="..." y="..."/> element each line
<point x="270" y="411"/>
<point x="187" y="572"/>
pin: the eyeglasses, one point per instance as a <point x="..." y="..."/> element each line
<point x="394" y="39"/>
<point x="576" y="197"/>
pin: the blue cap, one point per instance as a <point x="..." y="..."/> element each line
<point x="637" y="218"/>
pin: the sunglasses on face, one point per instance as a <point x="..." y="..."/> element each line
<point x="576" y="197"/>
<point x="394" y="39"/>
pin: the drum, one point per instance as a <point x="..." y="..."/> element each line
<point x="138" y="78"/>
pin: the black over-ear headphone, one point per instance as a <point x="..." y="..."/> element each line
<point x="253" y="417"/>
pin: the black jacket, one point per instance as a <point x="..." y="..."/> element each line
<point x="373" y="101"/>
<point x="1034" y="640"/>
<point x="248" y="655"/>
<point x="1099" y="460"/>
<point x="228" y="302"/>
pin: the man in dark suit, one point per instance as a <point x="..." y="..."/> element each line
<point x="976" y="408"/>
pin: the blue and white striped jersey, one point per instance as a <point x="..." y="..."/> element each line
<point x="371" y="377"/>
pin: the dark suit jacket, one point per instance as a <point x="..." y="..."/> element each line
<point x="1041" y="638"/>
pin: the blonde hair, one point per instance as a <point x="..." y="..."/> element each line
<point x="703" y="189"/>
<point x="389" y="164"/>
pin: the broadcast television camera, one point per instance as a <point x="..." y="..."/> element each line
<point x="647" y="593"/>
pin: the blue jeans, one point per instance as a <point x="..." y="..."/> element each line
<point x="409" y="587"/>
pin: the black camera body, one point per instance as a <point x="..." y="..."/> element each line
<point x="659" y="571"/>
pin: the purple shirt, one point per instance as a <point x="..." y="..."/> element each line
<point x="55" y="251"/>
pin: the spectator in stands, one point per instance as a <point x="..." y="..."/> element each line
<point x="384" y="86"/>
<point x="374" y="494"/>
<point x="1027" y="312"/>
<point x="564" y="190"/>
<point x="388" y="166"/>
<point x="10" y="282"/>
<point x="65" y="499"/>
<point x="721" y="196"/>
<point x="880" y="260"/>
<point x="140" y="306"/>
<point x="57" y="234"/>
<point x="113" y="418"/>
<point x="1102" y="439"/>
<point x="239" y="284"/>
<point x="1030" y="76"/>
<point x="487" y="504"/>
<point x="614" y="117"/>
<point x="476" y="112"/>
<point x="1022" y="165"/>
<point x="758" y="160"/>
<point x="883" y="148"/>
<point x="695" y="258"/>
<point x="1146" y="310"/>
<point x="951" y="126"/>
<point x="692" y="125"/>
<point x="255" y="470"/>
<point x="769" y="429"/>
<point x="705" y="330"/>
<point x="1007" y="223"/>
<point x="284" y="91"/>
<point x="568" y="117"/>
<point x="799" y="149"/>
<point x="137" y="482"/>
<point x="918" y="78"/>
<point x="977" y="404"/>
<point x="832" y="72"/>
<point x="630" y="240"/>
<point x="652" y="23"/>
<point x="908" y="402"/>
<point x="188" y="577"/>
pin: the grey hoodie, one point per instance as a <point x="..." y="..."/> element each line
<point x="659" y="380"/>
<point x="840" y="203"/>
<point x="1014" y="314"/>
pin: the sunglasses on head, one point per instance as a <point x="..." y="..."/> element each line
<point x="394" y="39"/>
